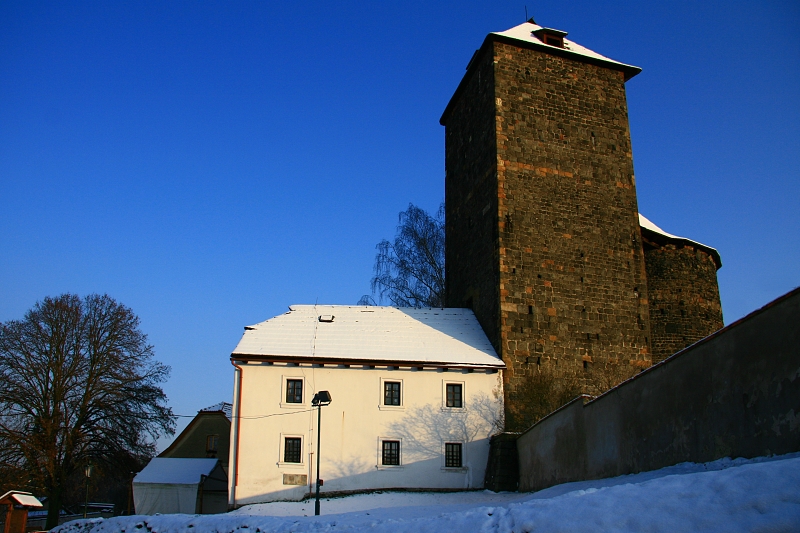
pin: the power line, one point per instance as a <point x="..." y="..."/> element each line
<point x="254" y="417"/>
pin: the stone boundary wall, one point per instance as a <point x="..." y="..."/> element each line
<point x="736" y="393"/>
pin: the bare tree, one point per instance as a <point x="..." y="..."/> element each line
<point x="78" y="383"/>
<point x="409" y="272"/>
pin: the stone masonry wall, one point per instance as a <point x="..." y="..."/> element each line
<point x="471" y="236"/>
<point x="684" y="297"/>
<point x="554" y="218"/>
<point x="573" y="291"/>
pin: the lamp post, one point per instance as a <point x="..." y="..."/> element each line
<point x="321" y="398"/>
<point x="88" y="471"/>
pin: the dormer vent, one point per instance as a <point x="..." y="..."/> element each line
<point x="551" y="37"/>
<point x="326" y="318"/>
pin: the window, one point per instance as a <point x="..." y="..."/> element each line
<point x="294" y="391"/>
<point x="551" y="36"/>
<point x="454" y="395"/>
<point x="390" y="455"/>
<point x="212" y="443"/>
<point x="452" y="455"/>
<point x="553" y="40"/>
<point x="292" y="447"/>
<point x="391" y="393"/>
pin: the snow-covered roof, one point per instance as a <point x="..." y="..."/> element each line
<point x="225" y="407"/>
<point x="22" y="498"/>
<point x="528" y="35"/>
<point x="175" y="471"/>
<point x="525" y="32"/>
<point x="372" y="333"/>
<point x="647" y="225"/>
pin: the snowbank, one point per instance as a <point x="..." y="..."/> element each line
<point x="740" y="495"/>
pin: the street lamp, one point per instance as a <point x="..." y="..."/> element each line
<point x="88" y="471"/>
<point x="321" y="398"/>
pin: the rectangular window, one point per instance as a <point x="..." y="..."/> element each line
<point x="291" y="450"/>
<point x="454" y="395"/>
<point x="452" y="455"/>
<point x="212" y="443"/>
<point x="391" y="453"/>
<point x="391" y="393"/>
<point x="294" y="391"/>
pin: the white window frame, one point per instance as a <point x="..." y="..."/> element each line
<point x="282" y="448"/>
<point x="285" y="385"/>
<point x="463" y="467"/>
<point x="379" y="462"/>
<point x="400" y="407"/>
<point x="463" y="407"/>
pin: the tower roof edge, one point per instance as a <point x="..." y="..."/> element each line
<point x="530" y="35"/>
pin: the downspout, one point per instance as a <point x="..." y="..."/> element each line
<point x="237" y="408"/>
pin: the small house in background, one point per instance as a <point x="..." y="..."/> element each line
<point x="207" y="436"/>
<point x="14" y="507"/>
<point x="181" y="485"/>
<point x="191" y="475"/>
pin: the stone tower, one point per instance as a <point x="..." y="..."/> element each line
<point x="542" y="230"/>
<point x="682" y="289"/>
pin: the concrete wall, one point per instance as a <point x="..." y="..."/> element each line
<point x="734" y="394"/>
<point x="353" y="426"/>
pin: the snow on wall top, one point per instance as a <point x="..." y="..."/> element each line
<point x="525" y="32"/>
<point x="373" y="333"/>
<point x="175" y="471"/>
<point x="646" y="224"/>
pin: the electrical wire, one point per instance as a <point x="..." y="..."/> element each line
<point x="254" y="417"/>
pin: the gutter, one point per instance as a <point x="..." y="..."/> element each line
<point x="236" y="416"/>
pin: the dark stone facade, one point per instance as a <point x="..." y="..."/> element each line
<point x="684" y="296"/>
<point x="542" y="231"/>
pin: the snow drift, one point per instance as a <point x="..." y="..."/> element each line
<point x="726" y="495"/>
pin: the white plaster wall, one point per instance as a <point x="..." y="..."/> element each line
<point x="354" y="423"/>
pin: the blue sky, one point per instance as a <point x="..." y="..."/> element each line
<point x="209" y="164"/>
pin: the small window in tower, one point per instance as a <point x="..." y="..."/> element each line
<point x="551" y="37"/>
<point x="553" y="40"/>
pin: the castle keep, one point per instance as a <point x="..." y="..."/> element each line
<point x="543" y="234"/>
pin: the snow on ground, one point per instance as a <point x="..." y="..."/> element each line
<point x="727" y="495"/>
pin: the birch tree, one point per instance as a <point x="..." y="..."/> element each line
<point x="409" y="271"/>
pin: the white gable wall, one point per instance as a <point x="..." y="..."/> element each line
<point x="353" y="426"/>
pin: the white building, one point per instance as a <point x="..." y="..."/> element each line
<point x="416" y="395"/>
